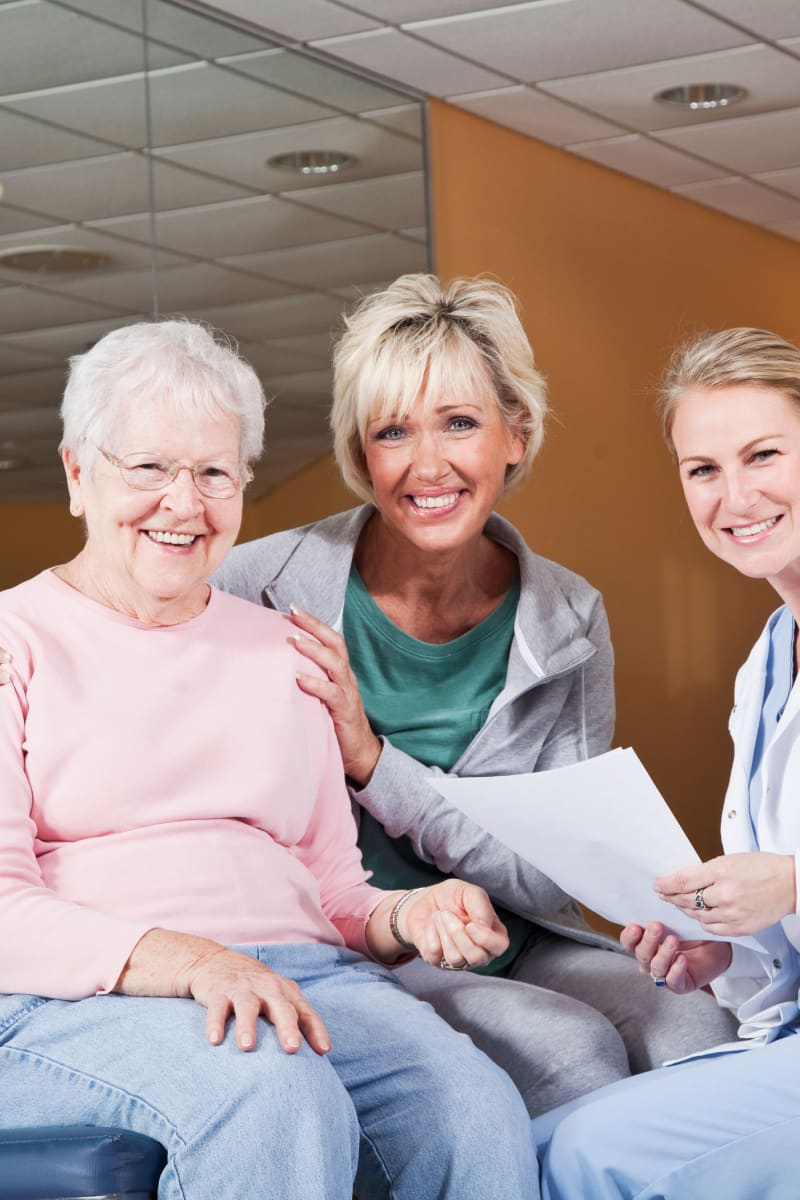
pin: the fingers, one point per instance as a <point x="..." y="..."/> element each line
<point x="630" y="937"/>
<point x="471" y="943"/>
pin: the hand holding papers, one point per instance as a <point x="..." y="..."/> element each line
<point x="600" y="829"/>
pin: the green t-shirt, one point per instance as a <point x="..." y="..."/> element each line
<point x="430" y="700"/>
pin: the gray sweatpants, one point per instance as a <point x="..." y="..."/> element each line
<point x="570" y="1018"/>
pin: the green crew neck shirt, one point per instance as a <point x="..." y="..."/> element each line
<point x="430" y="700"/>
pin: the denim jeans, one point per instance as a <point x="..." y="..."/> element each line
<point x="402" y="1107"/>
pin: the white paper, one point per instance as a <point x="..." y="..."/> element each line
<point x="599" y="828"/>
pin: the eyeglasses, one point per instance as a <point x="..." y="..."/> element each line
<point x="148" y="473"/>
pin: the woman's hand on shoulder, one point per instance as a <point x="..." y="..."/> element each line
<point x="360" y="747"/>
<point x="682" y="966"/>
<point x="452" y="924"/>
<point x="734" y="894"/>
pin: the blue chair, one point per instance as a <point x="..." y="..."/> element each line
<point x="67" y="1162"/>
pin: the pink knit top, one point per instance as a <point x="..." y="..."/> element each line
<point x="171" y="777"/>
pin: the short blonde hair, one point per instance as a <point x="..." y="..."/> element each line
<point x="739" y="355"/>
<point x="419" y="336"/>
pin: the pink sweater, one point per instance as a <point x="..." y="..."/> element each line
<point x="173" y="777"/>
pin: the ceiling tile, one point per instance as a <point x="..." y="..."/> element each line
<point x="324" y="266"/>
<point x="14" y="220"/>
<point x="244" y="159"/>
<point x="412" y="62"/>
<point x="335" y="87"/>
<point x="789" y="229"/>
<point x="190" y="102"/>
<point x="772" y="80"/>
<point x="398" y="12"/>
<point x="33" y="389"/>
<point x="269" y="320"/>
<point x="744" y="199"/>
<point x="50" y="45"/>
<point x="22" y="308"/>
<point x="110" y="186"/>
<point x="532" y="113"/>
<point x="15" y="358"/>
<point x="173" y="25"/>
<point x="124" y="255"/>
<point x="783" y="181"/>
<point x="406" y="118"/>
<point x="296" y="355"/>
<point x="538" y="40"/>
<point x="178" y="287"/>
<point x="298" y="22"/>
<point x="29" y="143"/>
<point x="766" y="142"/>
<point x="767" y="18"/>
<point x="647" y="160"/>
<point x="390" y="202"/>
<point x="64" y="340"/>
<point x="238" y="227"/>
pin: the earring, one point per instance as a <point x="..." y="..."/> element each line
<point x="75" y="508"/>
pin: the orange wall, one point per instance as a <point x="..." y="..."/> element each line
<point x="610" y="273"/>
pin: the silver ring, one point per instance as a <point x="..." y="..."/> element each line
<point x="699" y="902"/>
<point x="447" y="966"/>
<point x="659" y="980"/>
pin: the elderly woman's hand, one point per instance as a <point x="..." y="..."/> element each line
<point x="734" y="894"/>
<point x="359" y="746"/>
<point x="228" y="984"/>
<point x="452" y="924"/>
<point x="682" y="966"/>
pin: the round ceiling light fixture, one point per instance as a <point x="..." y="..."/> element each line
<point x="702" y="96"/>
<point x="313" y="162"/>
<point x="52" y="260"/>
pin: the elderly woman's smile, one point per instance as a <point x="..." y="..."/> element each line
<point x="150" y="548"/>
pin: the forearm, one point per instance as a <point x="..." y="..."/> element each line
<point x="162" y="963"/>
<point x="381" y="942"/>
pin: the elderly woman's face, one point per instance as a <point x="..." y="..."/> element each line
<point x="158" y="544"/>
<point x="437" y="474"/>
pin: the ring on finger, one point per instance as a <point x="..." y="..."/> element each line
<point x="699" y="902"/>
<point x="448" y="966"/>
<point x="658" y="980"/>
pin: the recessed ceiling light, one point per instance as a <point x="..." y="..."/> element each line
<point x="51" y="260"/>
<point x="699" y="96"/>
<point x="8" y="463"/>
<point x="313" y="162"/>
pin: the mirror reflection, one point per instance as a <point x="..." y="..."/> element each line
<point x="157" y="161"/>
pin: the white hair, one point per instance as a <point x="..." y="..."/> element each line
<point x="185" y="364"/>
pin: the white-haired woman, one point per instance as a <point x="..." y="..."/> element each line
<point x="447" y="645"/>
<point x="177" y="847"/>
<point x="724" y="1125"/>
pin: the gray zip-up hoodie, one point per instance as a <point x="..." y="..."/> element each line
<point x="556" y="707"/>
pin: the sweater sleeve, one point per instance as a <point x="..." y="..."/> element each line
<point x="330" y="852"/>
<point x="400" y="796"/>
<point x="50" y="947"/>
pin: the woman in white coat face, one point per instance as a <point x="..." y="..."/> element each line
<point x="724" y="1125"/>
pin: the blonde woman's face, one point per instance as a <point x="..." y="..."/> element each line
<point x="738" y="450"/>
<point x="438" y="472"/>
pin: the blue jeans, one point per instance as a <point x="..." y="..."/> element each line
<point x="721" y="1127"/>
<point x="403" y="1106"/>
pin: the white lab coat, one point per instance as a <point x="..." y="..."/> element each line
<point x="762" y="987"/>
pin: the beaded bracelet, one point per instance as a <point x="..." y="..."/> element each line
<point x="395" y="913"/>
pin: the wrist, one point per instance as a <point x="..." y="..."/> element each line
<point x="399" y="934"/>
<point x="361" y="772"/>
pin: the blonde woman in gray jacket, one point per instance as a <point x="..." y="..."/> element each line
<point x="448" y="646"/>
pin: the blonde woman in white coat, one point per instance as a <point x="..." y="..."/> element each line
<point x="724" y="1124"/>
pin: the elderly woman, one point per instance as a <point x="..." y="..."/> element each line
<point x="177" y="851"/>
<point x="448" y="646"/>
<point x="724" y="1125"/>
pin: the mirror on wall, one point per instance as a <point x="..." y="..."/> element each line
<point x="155" y="161"/>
